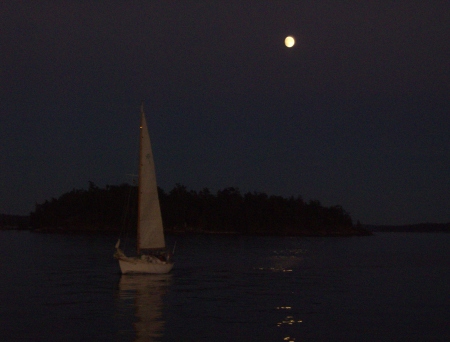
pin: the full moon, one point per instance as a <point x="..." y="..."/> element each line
<point x="289" y="41"/>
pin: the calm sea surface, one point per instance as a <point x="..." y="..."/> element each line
<point x="387" y="287"/>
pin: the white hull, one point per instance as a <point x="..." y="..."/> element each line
<point x="137" y="265"/>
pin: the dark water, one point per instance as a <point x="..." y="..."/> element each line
<point x="388" y="287"/>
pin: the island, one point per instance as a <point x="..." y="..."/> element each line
<point x="187" y="211"/>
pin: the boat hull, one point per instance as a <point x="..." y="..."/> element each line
<point x="136" y="265"/>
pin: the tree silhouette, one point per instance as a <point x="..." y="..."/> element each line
<point x="111" y="208"/>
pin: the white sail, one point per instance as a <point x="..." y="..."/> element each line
<point x="150" y="227"/>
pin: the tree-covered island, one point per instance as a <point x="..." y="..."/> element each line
<point x="228" y="211"/>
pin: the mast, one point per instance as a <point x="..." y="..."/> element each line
<point x="139" y="180"/>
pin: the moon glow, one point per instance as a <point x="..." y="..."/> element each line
<point x="289" y="41"/>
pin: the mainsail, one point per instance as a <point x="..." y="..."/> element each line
<point x="150" y="228"/>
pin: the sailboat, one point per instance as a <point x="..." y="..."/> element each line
<point x="151" y="247"/>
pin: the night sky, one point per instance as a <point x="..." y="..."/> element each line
<point x="357" y="113"/>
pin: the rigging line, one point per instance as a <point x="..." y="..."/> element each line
<point x="125" y="219"/>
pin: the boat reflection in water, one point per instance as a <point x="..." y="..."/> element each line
<point x="145" y="293"/>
